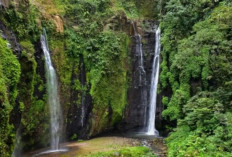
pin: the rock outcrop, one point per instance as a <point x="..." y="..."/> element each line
<point x="136" y="113"/>
<point x="58" y="23"/>
<point x="5" y="3"/>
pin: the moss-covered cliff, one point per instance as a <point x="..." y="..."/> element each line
<point x="94" y="51"/>
<point x="9" y="78"/>
<point x="90" y="46"/>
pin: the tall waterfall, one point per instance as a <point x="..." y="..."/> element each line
<point x="153" y="89"/>
<point x="53" y="97"/>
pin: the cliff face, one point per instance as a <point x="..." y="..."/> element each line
<point x="103" y="53"/>
<point x="5" y="3"/>
<point x="10" y="72"/>
<point x="138" y="93"/>
<point x="96" y="58"/>
<point x="136" y="115"/>
<point x="79" y="114"/>
<point x="136" y="110"/>
<point x="8" y="35"/>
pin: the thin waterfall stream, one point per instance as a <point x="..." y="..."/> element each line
<point x="141" y="71"/>
<point x="53" y="97"/>
<point x="82" y="108"/>
<point x="139" y="48"/>
<point x="18" y="144"/>
<point x="151" y="130"/>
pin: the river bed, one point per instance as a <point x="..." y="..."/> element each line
<point x="100" y="144"/>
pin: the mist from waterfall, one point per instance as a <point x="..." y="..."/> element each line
<point x="151" y="130"/>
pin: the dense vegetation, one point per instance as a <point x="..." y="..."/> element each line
<point x="197" y="67"/>
<point x="140" y="151"/>
<point x="88" y="40"/>
<point x="9" y="78"/>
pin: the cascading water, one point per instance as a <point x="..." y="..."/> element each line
<point x="139" y="48"/>
<point x="142" y="72"/>
<point x="82" y="108"/>
<point x="153" y="89"/>
<point x="53" y="98"/>
<point x="18" y="144"/>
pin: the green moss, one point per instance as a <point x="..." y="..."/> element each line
<point x="32" y="93"/>
<point x="64" y="64"/>
<point x="165" y="100"/>
<point x="127" y="6"/>
<point x="109" y="80"/>
<point x="9" y="78"/>
<point x="28" y="49"/>
<point x="23" y="21"/>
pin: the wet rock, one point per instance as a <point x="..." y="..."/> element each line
<point x="79" y="112"/>
<point x="116" y="154"/>
<point x="136" y="113"/>
<point x="5" y="3"/>
<point x="159" y="148"/>
<point x="8" y="35"/>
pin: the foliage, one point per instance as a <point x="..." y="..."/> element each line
<point x="127" y="152"/>
<point x="205" y="130"/>
<point x="197" y="67"/>
<point x="23" y="21"/>
<point x="104" y="57"/>
<point x="104" y="52"/>
<point x="9" y="78"/>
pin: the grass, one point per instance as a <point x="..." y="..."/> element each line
<point x="138" y="151"/>
<point x="106" y="147"/>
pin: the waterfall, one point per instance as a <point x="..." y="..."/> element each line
<point x="53" y="97"/>
<point x="153" y="89"/>
<point x="141" y="66"/>
<point x="142" y="73"/>
<point x="139" y="50"/>
<point x="82" y="108"/>
<point x="18" y="144"/>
